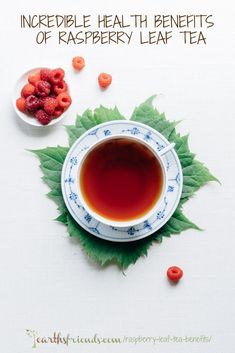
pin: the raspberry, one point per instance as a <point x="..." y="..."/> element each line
<point x="174" y="273"/>
<point x="27" y="90"/>
<point x="32" y="103"/>
<point x="43" y="117"/>
<point x="56" y="76"/>
<point x="104" y="80"/>
<point x="43" y="88"/>
<point x="64" y="100"/>
<point x="60" y="87"/>
<point x="34" y="77"/>
<point x="49" y="105"/>
<point x="42" y="100"/>
<point x="78" y="63"/>
<point x="44" y="74"/>
<point x="20" y="104"/>
<point x="58" y="111"/>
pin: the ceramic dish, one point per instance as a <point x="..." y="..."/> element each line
<point x="171" y="197"/>
<point x="16" y="94"/>
<point x="135" y="221"/>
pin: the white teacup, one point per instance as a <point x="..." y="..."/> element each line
<point x="116" y="223"/>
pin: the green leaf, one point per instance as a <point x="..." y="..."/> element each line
<point x="176" y="224"/>
<point x="58" y="199"/>
<point x="51" y="163"/>
<point x="89" y="120"/>
<point x="148" y="115"/>
<point x="52" y="154"/>
<point x="62" y="217"/>
<point x="125" y="254"/>
<point x="104" y="251"/>
<point x="195" y="175"/>
<point x="74" y="133"/>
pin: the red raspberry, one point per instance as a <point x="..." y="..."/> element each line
<point x="20" y="104"/>
<point x="49" y="105"/>
<point x="78" y="62"/>
<point x="58" y="112"/>
<point x="60" y="87"/>
<point x="32" y="103"/>
<point x="43" y="117"/>
<point x="43" y="88"/>
<point x="56" y="76"/>
<point x="42" y="100"/>
<point x="64" y="100"/>
<point x="44" y="74"/>
<point x="174" y="273"/>
<point x="27" y="90"/>
<point x="104" y="80"/>
<point x="34" y="77"/>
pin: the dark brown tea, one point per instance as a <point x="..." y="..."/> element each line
<point x="121" y="179"/>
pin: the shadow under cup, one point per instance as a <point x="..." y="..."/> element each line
<point x="121" y="181"/>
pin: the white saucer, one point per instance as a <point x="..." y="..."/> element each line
<point x="69" y="182"/>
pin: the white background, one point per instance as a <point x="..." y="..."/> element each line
<point x="47" y="283"/>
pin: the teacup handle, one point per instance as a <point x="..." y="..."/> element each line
<point x="166" y="149"/>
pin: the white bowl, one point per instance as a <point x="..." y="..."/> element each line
<point x="23" y="79"/>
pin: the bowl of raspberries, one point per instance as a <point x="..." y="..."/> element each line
<point x="42" y="96"/>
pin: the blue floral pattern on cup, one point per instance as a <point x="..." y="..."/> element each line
<point x="166" y="207"/>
